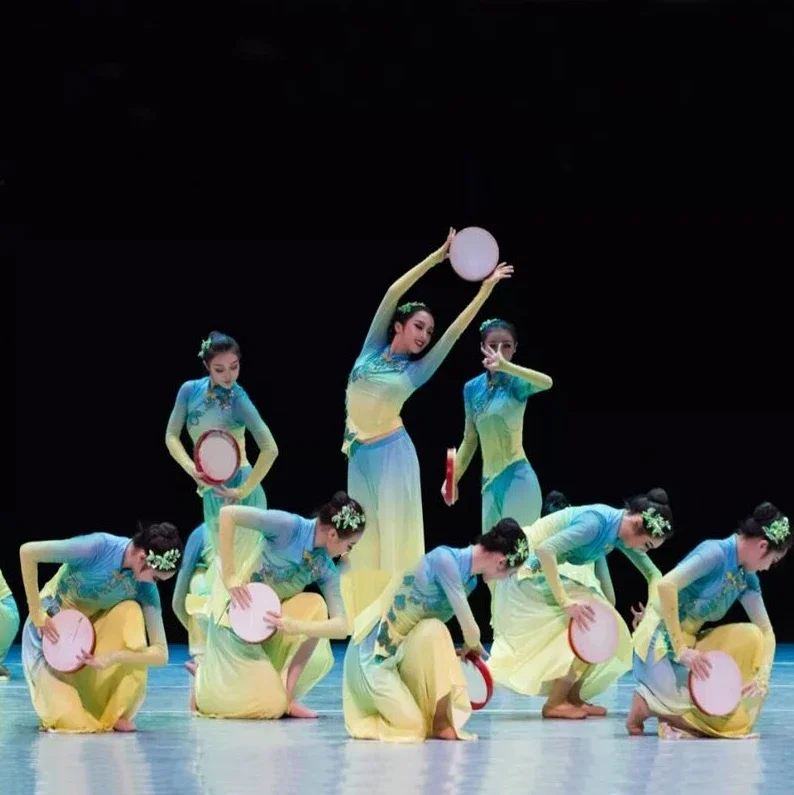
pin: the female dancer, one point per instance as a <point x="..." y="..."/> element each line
<point x="402" y="680"/>
<point x="383" y="470"/>
<point x="494" y="403"/>
<point x="9" y="623"/>
<point x="217" y="401"/>
<point x="112" y="581"/>
<point x="531" y="654"/>
<point x="236" y="679"/>
<point x="670" y="641"/>
<point x="191" y="591"/>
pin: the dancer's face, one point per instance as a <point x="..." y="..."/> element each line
<point x="415" y="334"/>
<point x="501" y="339"/>
<point x="224" y="369"/>
<point x="496" y="567"/>
<point x="336" y="546"/>
<point x="757" y="556"/>
<point x="636" y="537"/>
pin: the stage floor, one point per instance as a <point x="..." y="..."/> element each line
<point x="174" y="752"/>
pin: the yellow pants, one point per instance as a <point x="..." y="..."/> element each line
<point x="236" y="679"/>
<point x="396" y="700"/>
<point x="90" y="700"/>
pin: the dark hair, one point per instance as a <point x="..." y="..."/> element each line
<point x="159" y="537"/>
<point x="497" y="323"/>
<point x="505" y="537"/>
<point x="757" y="526"/>
<point x="655" y="504"/>
<point x="217" y="343"/>
<point x="405" y="312"/>
<point x="338" y="503"/>
<point x="554" y="501"/>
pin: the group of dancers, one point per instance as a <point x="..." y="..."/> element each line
<point x="545" y="562"/>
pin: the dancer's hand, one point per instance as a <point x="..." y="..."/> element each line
<point x="100" y="663"/>
<point x="581" y="613"/>
<point x="493" y="360"/>
<point x="240" y="596"/>
<point x="502" y="271"/>
<point x="45" y="627"/>
<point x="444" y="494"/>
<point x="638" y="615"/>
<point x="696" y="662"/>
<point x="277" y="620"/>
<point x="754" y="689"/>
<point x="477" y="651"/>
<point x="447" y="244"/>
<point x="230" y="496"/>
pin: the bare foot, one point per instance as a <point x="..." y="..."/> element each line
<point x="638" y="714"/>
<point x="296" y="710"/>
<point x="4" y="672"/>
<point x="192" y="667"/>
<point x="668" y="732"/>
<point x="447" y="733"/>
<point x="564" y="711"/>
<point x="125" y="725"/>
<point x="592" y="710"/>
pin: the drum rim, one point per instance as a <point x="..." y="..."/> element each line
<point x="486" y="675"/>
<point x="691" y="686"/>
<point x="572" y="645"/>
<point x="197" y="447"/>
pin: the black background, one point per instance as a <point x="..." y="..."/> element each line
<point x="269" y="170"/>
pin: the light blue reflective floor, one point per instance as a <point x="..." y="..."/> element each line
<point x="174" y="752"/>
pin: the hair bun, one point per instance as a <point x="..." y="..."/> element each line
<point x="340" y="498"/>
<point x="765" y="513"/>
<point x="658" y="495"/>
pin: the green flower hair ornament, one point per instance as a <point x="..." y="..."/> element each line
<point x="411" y="306"/>
<point x="655" y="523"/>
<point x="778" y="531"/>
<point x="490" y="322"/>
<point x="205" y="346"/>
<point x="348" y="518"/>
<point x="165" y="562"/>
<point x="519" y="554"/>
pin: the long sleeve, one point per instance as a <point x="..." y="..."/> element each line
<point x="276" y="526"/>
<point x="753" y="603"/>
<point x="379" y="328"/>
<point x="700" y="563"/>
<point x="604" y="577"/>
<point x="82" y="549"/>
<point x="468" y="447"/>
<point x="449" y="578"/>
<point x="173" y="431"/>
<point x="646" y="567"/>
<point x="335" y="626"/>
<point x="538" y="382"/>
<point x="581" y="532"/>
<point x="156" y="653"/>
<point x="193" y="552"/>
<point x="426" y="366"/>
<point x="268" y="451"/>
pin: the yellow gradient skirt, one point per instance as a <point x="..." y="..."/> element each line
<point x="395" y="699"/>
<point x="664" y="683"/>
<point x="530" y="648"/>
<point x="236" y="679"/>
<point x="89" y="700"/>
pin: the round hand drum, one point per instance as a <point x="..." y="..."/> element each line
<point x="720" y="693"/>
<point x="217" y="456"/>
<point x="250" y="623"/>
<point x="599" y="642"/>
<point x="479" y="683"/>
<point x="474" y="253"/>
<point x="76" y="635"/>
<point x="449" y="483"/>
